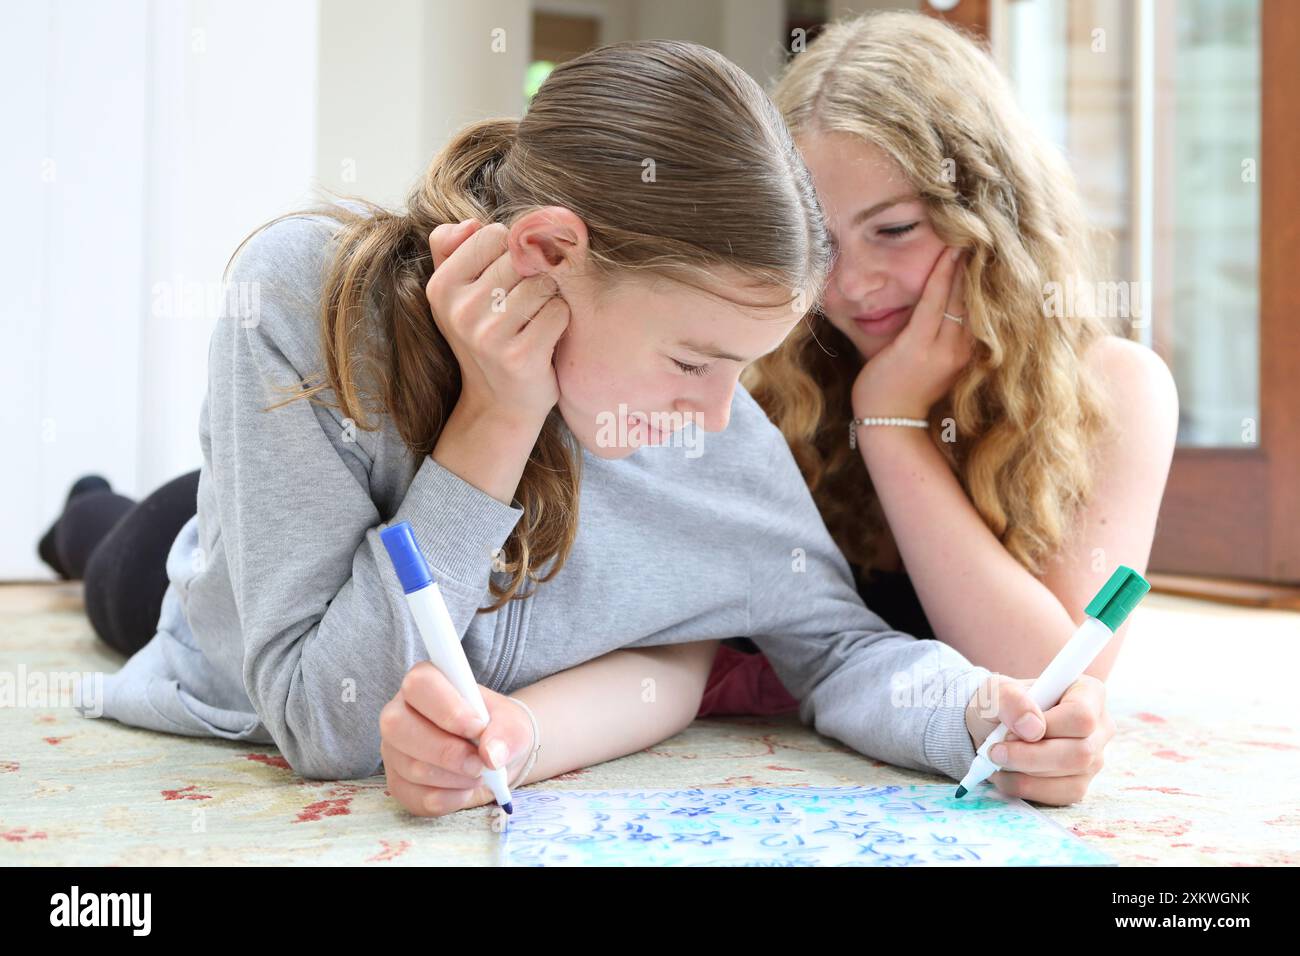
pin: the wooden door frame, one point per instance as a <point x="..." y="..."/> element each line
<point x="1235" y="513"/>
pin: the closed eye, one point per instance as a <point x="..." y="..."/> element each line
<point x="692" y="369"/>
<point x="898" y="230"/>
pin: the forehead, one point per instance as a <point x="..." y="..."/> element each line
<point x="848" y="169"/>
<point x="676" y="312"/>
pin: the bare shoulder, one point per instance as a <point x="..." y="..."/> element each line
<point x="1139" y="386"/>
<point x="1132" y="373"/>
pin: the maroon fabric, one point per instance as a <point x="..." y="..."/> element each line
<point x="743" y="683"/>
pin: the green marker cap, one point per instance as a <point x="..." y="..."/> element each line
<point x="1118" y="597"/>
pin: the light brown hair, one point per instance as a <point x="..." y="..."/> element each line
<point x="728" y="190"/>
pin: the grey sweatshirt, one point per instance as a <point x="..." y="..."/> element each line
<point x="283" y="620"/>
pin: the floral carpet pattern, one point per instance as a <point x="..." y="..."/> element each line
<point x="1204" y="769"/>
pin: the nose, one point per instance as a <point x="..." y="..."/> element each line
<point x="855" y="277"/>
<point x="710" y="407"/>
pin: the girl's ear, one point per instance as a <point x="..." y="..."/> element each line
<point x="550" y="239"/>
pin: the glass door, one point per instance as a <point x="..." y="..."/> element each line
<point x="1179" y="118"/>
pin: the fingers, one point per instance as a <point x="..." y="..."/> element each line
<point x="1051" y="757"/>
<point x="475" y="255"/>
<point x="448" y="237"/>
<point x="1018" y="711"/>
<point x="509" y="736"/>
<point x="406" y="730"/>
<point x="1081" y="711"/>
<point x="934" y="297"/>
<point x="426" y="774"/>
<point x="428" y="801"/>
<point x="956" y="304"/>
<point x="427" y="690"/>
<point x="1071" y="752"/>
<point x="526" y="300"/>
<point x="433" y="770"/>
<point x="546" y="327"/>
<point x="1053" y="791"/>
<point x="956" y="335"/>
<point x="500" y="276"/>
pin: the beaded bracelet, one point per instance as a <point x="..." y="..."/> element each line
<point x="910" y="422"/>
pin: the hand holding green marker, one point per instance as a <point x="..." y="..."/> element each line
<point x="1106" y="613"/>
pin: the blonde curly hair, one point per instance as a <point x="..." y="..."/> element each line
<point x="1026" y="410"/>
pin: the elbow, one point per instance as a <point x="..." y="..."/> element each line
<point x="319" y="750"/>
<point x="314" y="764"/>
<point x="686" y="669"/>
<point x="317" y="743"/>
<point x="315" y="748"/>
<point x="312" y="769"/>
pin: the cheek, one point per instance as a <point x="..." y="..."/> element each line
<point x="597" y="375"/>
<point x="914" y="265"/>
<point x="581" y="361"/>
<point x="568" y="368"/>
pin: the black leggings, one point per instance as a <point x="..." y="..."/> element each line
<point x="119" y="548"/>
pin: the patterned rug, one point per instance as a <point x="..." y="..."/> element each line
<point x="1204" y="768"/>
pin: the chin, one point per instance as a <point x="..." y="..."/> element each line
<point x="873" y="348"/>
<point x="867" y="346"/>
<point x="609" y="454"/>
<point x="586" y="432"/>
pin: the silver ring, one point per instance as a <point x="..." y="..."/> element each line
<point x="956" y="318"/>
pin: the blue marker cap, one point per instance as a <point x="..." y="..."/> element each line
<point x="408" y="560"/>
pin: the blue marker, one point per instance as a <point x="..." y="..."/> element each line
<point x="440" y="638"/>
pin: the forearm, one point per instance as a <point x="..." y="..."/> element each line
<point x="616" y="705"/>
<point x="978" y="598"/>
<point x="486" y="449"/>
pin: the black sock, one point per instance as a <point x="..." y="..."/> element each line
<point x="48" y="548"/>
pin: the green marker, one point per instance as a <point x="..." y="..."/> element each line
<point x="1105" y="615"/>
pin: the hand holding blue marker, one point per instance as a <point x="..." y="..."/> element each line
<point x="1106" y="613"/>
<point x="440" y="638"/>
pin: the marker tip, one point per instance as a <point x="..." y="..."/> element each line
<point x="961" y="792"/>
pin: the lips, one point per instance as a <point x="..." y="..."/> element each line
<point x="881" y="321"/>
<point x="877" y="315"/>
<point x="653" y="435"/>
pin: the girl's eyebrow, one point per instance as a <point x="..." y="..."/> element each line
<point x="866" y="214"/>
<point x="712" y="351"/>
